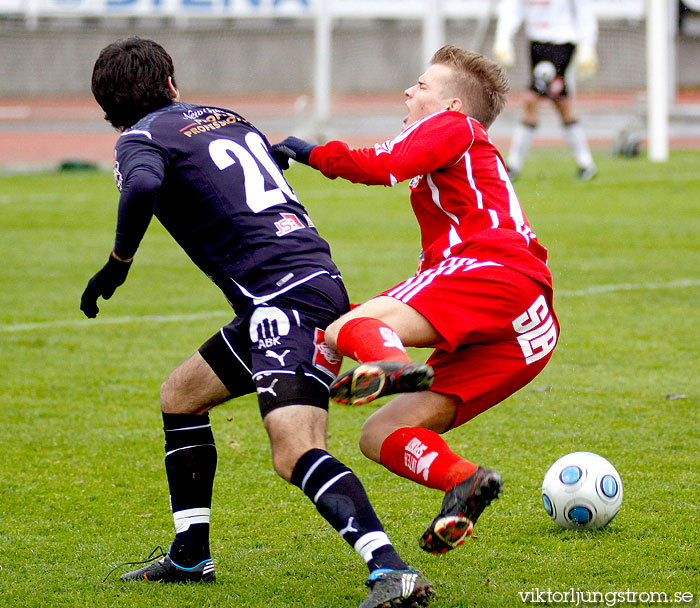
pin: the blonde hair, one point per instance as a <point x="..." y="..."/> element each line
<point x="479" y="83"/>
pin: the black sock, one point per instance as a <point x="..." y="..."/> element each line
<point x="341" y="499"/>
<point x="190" y="463"/>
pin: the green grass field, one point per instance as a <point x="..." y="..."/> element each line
<point x="82" y="486"/>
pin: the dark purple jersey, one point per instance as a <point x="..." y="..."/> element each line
<point x="207" y="175"/>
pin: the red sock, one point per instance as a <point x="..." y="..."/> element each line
<point x="368" y="339"/>
<point x="423" y="456"/>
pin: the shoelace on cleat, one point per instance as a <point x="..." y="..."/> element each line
<point x="151" y="558"/>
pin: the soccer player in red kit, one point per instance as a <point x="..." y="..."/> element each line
<point x="482" y="296"/>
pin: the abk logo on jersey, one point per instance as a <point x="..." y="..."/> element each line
<point x="538" y="332"/>
<point x="267" y="324"/>
<point x="325" y="358"/>
<point x="415" y="458"/>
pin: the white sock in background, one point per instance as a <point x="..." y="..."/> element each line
<point x="578" y="144"/>
<point x="520" y="146"/>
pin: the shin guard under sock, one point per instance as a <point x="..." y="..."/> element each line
<point x="423" y="456"/>
<point x="190" y="464"/>
<point x="367" y="339"/>
<point x="341" y="499"/>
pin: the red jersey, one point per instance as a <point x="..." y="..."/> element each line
<point x="460" y="191"/>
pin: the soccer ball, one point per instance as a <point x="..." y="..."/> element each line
<point x="582" y="490"/>
<point x="545" y="71"/>
<point x="546" y="81"/>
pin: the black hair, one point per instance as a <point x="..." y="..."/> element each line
<point x="130" y="80"/>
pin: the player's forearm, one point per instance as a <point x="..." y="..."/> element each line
<point x="361" y="166"/>
<point x="510" y="16"/>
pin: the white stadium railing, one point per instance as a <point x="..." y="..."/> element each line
<point x="660" y="18"/>
<point x="388" y="9"/>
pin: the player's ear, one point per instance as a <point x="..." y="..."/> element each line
<point x="455" y="104"/>
<point x="174" y="93"/>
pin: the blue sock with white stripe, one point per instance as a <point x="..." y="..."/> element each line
<point x="190" y="463"/>
<point x="341" y="499"/>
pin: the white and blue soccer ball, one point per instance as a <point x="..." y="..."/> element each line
<point x="582" y="490"/>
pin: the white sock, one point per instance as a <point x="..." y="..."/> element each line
<point x="578" y="144"/>
<point x="520" y="146"/>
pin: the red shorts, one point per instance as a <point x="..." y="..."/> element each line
<point x="498" y="328"/>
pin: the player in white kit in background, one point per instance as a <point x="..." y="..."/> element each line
<point x="557" y="31"/>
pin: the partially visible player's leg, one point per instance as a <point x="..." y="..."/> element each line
<point x="523" y="134"/>
<point x="412" y="328"/>
<point x="192" y="388"/>
<point x="294" y="430"/>
<point x="560" y="56"/>
<point x="432" y="412"/>
<point x="524" y="131"/>
<point x="293" y="397"/>
<point x="482" y="375"/>
<point x="294" y="408"/>
<point x="576" y="138"/>
<point x="498" y="332"/>
<point x="190" y="391"/>
<point x="531" y="107"/>
<point x="375" y="334"/>
<point x="297" y="438"/>
<point x="404" y="437"/>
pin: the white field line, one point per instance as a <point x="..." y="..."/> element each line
<point x="82" y="323"/>
<point x="589" y="291"/>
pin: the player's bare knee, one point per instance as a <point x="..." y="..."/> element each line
<point x="171" y="401"/>
<point x="174" y="399"/>
<point x="331" y="333"/>
<point x="365" y="445"/>
<point x="293" y="430"/>
<point x="166" y="400"/>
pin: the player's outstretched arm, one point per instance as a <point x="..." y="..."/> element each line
<point x="292" y="148"/>
<point x="586" y="61"/>
<point x="104" y="284"/>
<point x="510" y="16"/>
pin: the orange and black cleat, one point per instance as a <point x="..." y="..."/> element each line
<point x="461" y="507"/>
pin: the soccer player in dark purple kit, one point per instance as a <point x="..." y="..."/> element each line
<point x="207" y="174"/>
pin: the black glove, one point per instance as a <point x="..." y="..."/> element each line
<point x="294" y="148"/>
<point x="104" y="283"/>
